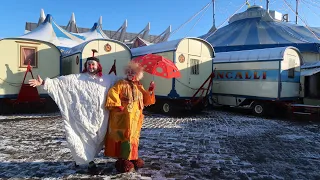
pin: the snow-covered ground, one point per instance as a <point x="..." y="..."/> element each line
<point x="212" y="145"/>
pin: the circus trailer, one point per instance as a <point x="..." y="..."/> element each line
<point x="310" y="79"/>
<point x="259" y="79"/>
<point x="193" y="58"/>
<point x="113" y="56"/>
<point x="16" y="54"/>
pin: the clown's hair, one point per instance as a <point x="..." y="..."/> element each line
<point x="99" y="69"/>
<point x="136" y="68"/>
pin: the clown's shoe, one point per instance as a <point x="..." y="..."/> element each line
<point x="124" y="166"/>
<point x="139" y="163"/>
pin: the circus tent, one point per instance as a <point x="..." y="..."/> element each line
<point x="95" y="32"/>
<point x="50" y="31"/>
<point x="258" y="28"/>
<point x="139" y="42"/>
<point x="42" y="17"/>
<point x="72" y="25"/>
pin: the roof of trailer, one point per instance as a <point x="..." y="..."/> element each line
<point x="267" y="54"/>
<point x="162" y="47"/>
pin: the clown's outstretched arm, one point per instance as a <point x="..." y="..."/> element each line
<point x="36" y="82"/>
<point x="47" y="83"/>
<point x="51" y="84"/>
<point x="54" y="86"/>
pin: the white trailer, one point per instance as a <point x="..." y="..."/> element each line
<point x="257" y="78"/>
<point x="193" y="58"/>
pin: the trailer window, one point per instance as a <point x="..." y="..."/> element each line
<point x="194" y="63"/>
<point x="291" y="73"/>
<point x="291" y="68"/>
<point x="28" y="55"/>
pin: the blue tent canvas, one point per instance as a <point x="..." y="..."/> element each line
<point x="255" y="28"/>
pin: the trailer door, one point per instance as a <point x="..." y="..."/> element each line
<point x="200" y="69"/>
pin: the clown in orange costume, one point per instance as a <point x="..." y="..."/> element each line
<point x="126" y="100"/>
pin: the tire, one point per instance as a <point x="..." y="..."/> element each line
<point x="259" y="109"/>
<point x="166" y="107"/>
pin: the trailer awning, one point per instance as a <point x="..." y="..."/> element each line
<point x="310" y="72"/>
<point x="308" y="65"/>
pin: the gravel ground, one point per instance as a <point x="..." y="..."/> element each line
<point x="211" y="145"/>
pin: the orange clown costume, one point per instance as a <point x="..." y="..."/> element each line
<point x="126" y="100"/>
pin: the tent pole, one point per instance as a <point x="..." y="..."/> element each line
<point x="213" y="19"/>
<point x="297" y="3"/>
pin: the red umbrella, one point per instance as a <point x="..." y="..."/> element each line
<point x="158" y="65"/>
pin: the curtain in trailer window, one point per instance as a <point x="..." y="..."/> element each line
<point x="194" y="66"/>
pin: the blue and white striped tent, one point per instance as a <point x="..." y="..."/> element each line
<point x="95" y="32"/>
<point x="50" y="31"/>
<point x="255" y="29"/>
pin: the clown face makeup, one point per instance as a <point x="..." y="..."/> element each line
<point x="92" y="66"/>
<point x="131" y="75"/>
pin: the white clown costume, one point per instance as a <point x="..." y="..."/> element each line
<point x="81" y="99"/>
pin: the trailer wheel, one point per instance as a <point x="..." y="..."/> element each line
<point x="166" y="107"/>
<point x="258" y="109"/>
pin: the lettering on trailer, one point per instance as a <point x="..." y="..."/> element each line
<point x="244" y="75"/>
<point x="270" y="75"/>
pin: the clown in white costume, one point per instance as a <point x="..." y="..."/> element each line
<point x="81" y="99"/>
